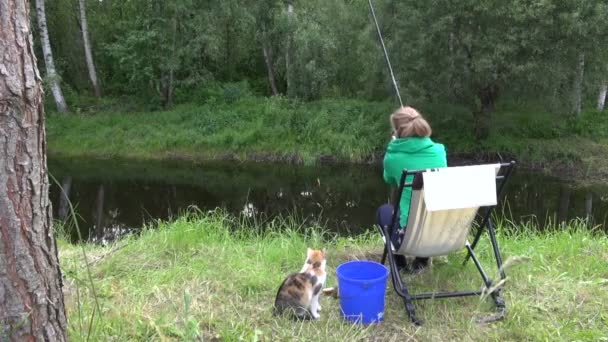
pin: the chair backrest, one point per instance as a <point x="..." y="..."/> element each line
<point x="440" y="232"/>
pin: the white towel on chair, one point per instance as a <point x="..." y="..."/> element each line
<point x="460" y="187"/>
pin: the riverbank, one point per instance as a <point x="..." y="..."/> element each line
<point x="327" y="131"/>
<point x="213" y="277"/>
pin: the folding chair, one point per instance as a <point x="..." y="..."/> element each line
<point x="435" y="233"/>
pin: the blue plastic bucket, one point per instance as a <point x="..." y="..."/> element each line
<point x="361" y="286"/>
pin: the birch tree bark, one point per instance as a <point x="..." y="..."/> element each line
<point x="99" y="226"/>
<point x="267" y="51"/>
<point x="589" y="208"/>
<point x="172" y="61"/>
<point x="51" y="72"/>
<point x="87" y="48"/>
<point x="31" y="301"/>
<point x="167" y="76"/>
<point x="601" y="99"/>
<point x="578" y="84"/>
<point x="288" y="71"/>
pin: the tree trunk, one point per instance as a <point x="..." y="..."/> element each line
<point x="51" y="73"/>
<point x="564" y="204"/>
<point x="578" y="84"/>
<point x="267" y="51"/>
<point x="167" y="82"/>
<point x="487" y="98"/>
<point x="87" y="48"/>
<point x="601" y="99"/>
<point x="31" y="301"/>
<point x="64" y="198"/>
<point x="227" y="53"/>
<point x="454" y="87"/>
<point x="589" y="208"/>
<point x="288" y="71"/>
<point x="99" y="224"/>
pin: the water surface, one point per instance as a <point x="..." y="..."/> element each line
<point x="116" y="197"/>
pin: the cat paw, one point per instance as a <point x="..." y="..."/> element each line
<point x="316" y="316"/>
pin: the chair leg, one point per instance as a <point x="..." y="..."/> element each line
<point x="403" y="292"/>
<point x="411" y="312"/>
<point x="409" y="307"/>
<point x="384" y="255"/>
<point x="486" y="280"/>
<point x="398" y="285"/>
<point x="501" y="309"/>
<point x="494" y="242"/>
<point x="385" y="252"/>
<point x="499" y="302"/>
<point x="480" y="230"/>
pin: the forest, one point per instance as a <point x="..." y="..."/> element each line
<point x="152" y="55"/>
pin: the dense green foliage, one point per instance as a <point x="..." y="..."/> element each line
<point x="155" y="53"/>
<point x="213" y="277"/>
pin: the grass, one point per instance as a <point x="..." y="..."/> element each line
<point x="214" y="277"/>
<point x="278" y="129"/>
<point x="249" y="128"/>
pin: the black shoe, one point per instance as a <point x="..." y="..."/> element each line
<point x="401" y="262"/>
<point x="419" y="265"/>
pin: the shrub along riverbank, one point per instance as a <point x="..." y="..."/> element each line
<point x="277" y="129"/>
<point x="215" y="277"/>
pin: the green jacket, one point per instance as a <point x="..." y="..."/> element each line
<point x="411" y="153"/>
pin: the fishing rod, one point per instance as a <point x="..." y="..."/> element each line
<point x="388" y="62"/>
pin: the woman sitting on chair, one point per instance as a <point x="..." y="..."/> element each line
<point x="411" y="149"/>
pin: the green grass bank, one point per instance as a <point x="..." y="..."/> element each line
<point x="214" y="277"/>
<point x="278" y="129"/>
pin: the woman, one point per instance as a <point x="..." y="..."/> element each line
<point x="411" y="149"/>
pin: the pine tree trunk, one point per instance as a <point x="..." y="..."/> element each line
<point x="578" y="84"/>
<point x="267" y="51"/>
<point x="601" y="99"/>
<point x="31" y="301"/>
<point x="87" y="48"/>
<point x="51" y="73"/>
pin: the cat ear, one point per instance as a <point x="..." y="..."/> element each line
<point x="308" y="252"/>
<point x="324" y="251"/>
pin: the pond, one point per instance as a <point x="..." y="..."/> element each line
<point x="116" y="197"/>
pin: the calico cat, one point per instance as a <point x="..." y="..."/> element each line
<point x="299" y="292"/>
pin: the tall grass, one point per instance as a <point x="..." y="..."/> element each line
<point x="212" y="276"/>
<point x="345" y="129"/>
<point x="87" y="281"/>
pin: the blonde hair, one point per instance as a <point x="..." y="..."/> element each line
<point x="407" y="122"/>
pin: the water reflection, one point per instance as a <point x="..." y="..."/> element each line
<point x="114" y="198"/>
<point x="249" y="210"/>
